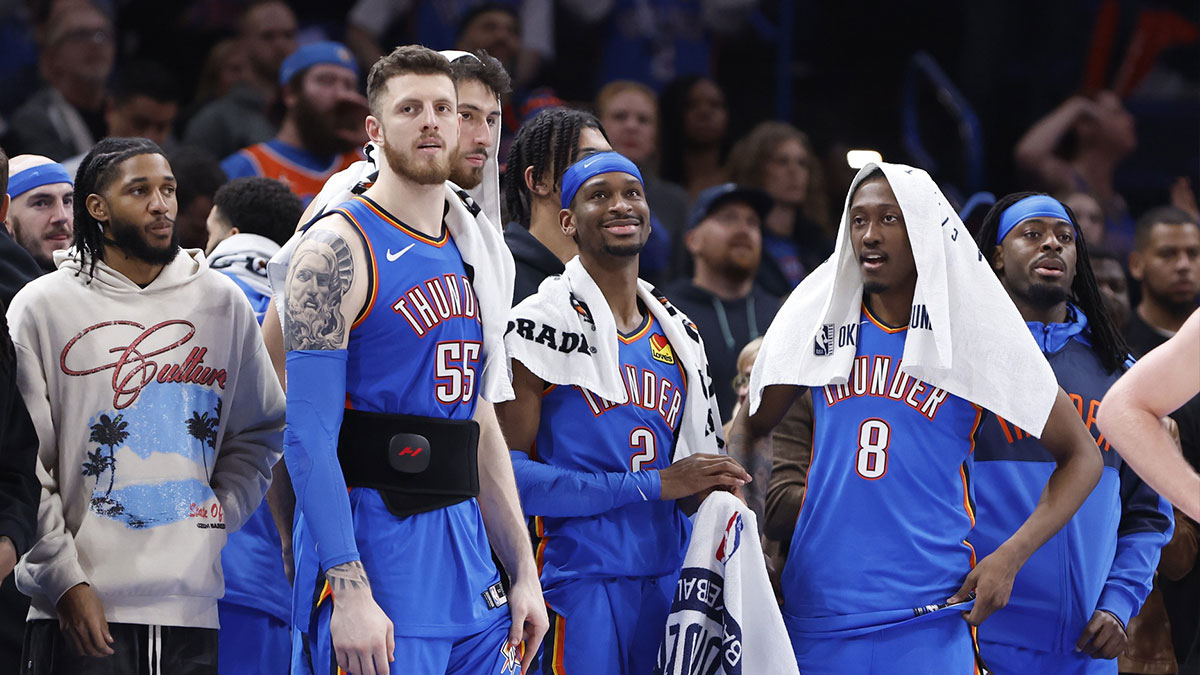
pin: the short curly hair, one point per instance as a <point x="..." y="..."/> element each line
<point x="261" y="206"/>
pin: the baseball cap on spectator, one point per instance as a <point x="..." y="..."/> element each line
<point x="314" y="53"/>
<point x="717" y="196"/>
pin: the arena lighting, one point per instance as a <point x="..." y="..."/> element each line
<point x="857" y="159"/>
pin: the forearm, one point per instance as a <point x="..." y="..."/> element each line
<point x="1040" y="140"/>
<point x="499" y="503"/>
<point x="1147" y="447"/>
<point x="563" y="493"/>
<point x="282" y="503"/>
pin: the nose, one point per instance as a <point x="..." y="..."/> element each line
<point x="430" y="118"/>
<point x="1052" y="243"/>
<point x="158" y="204"/>
<point x="61" y="212"/>
<point x="871" y="235"/>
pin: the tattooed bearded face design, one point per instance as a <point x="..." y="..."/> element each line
<point x="314" y="297"/>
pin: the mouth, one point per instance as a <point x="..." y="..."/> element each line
<point x="623" y="226"/>
<point x="476" y="159"/>
<point x="429" y="146"/>
<point x="162" y="227"/>
<point x="1050" y="268"/>
<point x="59" y="236"/>
<point x="873" y="261"/>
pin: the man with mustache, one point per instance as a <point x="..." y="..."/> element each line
<point x="40" y="216"/>
<point x="158" y="417"/>
<point x="605" y="476"/>
<point x="321" y="132"/>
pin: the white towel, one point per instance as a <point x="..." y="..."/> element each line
<point x="571" y="340"/>
<point x="724" y="611"/>
<point x="978" y="347"/>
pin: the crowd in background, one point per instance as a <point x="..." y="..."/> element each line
<point x="700" y="94"/>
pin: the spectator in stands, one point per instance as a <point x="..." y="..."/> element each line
<point x="1076" y="148"/>
<point x="143" y="104"/>
<point x="1089" y="214"/>
<point x="267" y="31"/>
<point x="75" y="58"/>
<point x="543" y="149"/>
<point x="725" y="240"/>
<point x="41" y="194"/>
<point x="199" y="176"/>
<point x="797" y="237"/>
<point x="1110" y="279"/>
<point x="322" y="131"/>
<point x="693" y="132"/>
<point x="17" y="268"/>
<point x="629" y="112"/>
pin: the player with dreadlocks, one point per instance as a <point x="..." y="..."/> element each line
<point x="1071" y="601"/>
<point x="543" y="149"/>
<point x="159" y="418"/>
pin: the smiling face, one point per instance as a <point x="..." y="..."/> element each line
<point x="879" y="238"/>
<point x="1036" y="261"/>
<point x="609" y="217"/>
<point x="417" y="126"/>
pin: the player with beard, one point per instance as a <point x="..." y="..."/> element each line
<point x="321" y="132"/>
<point x="159" y="418"/>
<point x="481" y="83"/>
<point x="40" y="212"/>
<point x="603" y="478"/>
<point x="408" y="578"/>
<point x="1073" y="598"/>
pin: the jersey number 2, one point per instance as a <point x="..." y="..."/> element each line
<point x="642" y="439"/>
<point x="874" y="435"/>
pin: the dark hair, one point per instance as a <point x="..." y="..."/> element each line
<point x="144" y="78"/>
<point x="483" y="69"/>
<point x="1161" y="215"/>
<point x="261" y="206"/>
<point x="549" y="141"/>
<point x="96" y="173"/>
<point x="198" y="173"/>
<point x="404" y="60"/>
<point x="673" y="107"/>
<point x="1107" y="342"/>
<point x="479" y="10"/>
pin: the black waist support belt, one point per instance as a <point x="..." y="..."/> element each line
<point x="417" y="464"/>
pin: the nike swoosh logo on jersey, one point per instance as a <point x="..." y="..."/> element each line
<point x="393" y="257"/>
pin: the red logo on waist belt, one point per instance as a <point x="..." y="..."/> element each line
<point x="660" y="349"/>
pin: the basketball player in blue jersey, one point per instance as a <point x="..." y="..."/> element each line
<point x="879" y="560"/>
<point x="1074" y="597"/>
<point x="597" y="474"/>
<point x="385" y="348"/>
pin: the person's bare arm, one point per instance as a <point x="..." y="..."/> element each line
<point x="1077" y="470"/>
<point x="1034" y="153"/>
<point x="1154" y="387"/>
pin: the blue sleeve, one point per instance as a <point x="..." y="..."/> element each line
<point x="564" y="493"/>
<point x="316" y="399"/>
<point x="1146" y="526"/>
<point x="238" y="165"/>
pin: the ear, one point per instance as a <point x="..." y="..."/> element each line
<point x="233" y="230"/>
<point x="540" y="188"/>
<point x="566" y="220"/>
<point x="1137" y="266"/>
<point x="998" y="258"/>
<point x="374" y="129"/>
<point x="97" y="207"/>
<point x="691" y="241"/>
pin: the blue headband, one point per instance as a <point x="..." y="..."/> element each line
<point x="1036" y="206"/>
<point x="37" y="176"/>
<point x="594" y="165"/>
<point x="311" y="54"/>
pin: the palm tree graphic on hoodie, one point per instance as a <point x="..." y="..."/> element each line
<point x="203" y="427"/>
<point x="109" y="432"/>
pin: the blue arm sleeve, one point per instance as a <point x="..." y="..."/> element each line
<point x="1146" y="526"/>
<point x="562" y="493"/>
<point x="316" y="399"/>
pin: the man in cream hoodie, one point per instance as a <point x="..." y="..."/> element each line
<point x="158" y="419"/>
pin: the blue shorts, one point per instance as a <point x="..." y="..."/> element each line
<point x="484" y="653"/>
<point x="1004" y="659"/>
<point x="251" y="641"/>
<point x="609" y="626"/>
<point x="942" y="645"/>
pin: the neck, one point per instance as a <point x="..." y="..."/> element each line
<point x="545" y="227"/>
<point x="136" y="270"/>
<point x="289" y="133"/>
<point x="617" y="280"/>
<point x="416" y="205"/>
<point x="1162" y="317"/>
<point x="781" y="221"/>
<point x="1056" y="313"/>
<point x="892" y="306"/>
<point x="720" y="285"/>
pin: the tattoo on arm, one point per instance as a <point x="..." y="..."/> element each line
<point x="319" y="276"/>
<point x="349" y="575"/>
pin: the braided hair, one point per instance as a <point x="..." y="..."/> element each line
<point x="548" y="142"/>
<point x="96" y="172"/>
<point x="1107" y="342"/>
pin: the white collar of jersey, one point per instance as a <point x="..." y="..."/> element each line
<point x="566" y="335"/>
<point x="969" y="339"/>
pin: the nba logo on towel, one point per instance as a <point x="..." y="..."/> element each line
<point x="732" y="539"/>
<point x="660" y="349"/>
<point x="823" y="344"/>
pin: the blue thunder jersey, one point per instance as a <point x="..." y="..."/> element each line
<point x="1105" y="556"/>
<point x="583" y="432"/>
<point x="882" y="532"/>
<point x="416" y="349"/>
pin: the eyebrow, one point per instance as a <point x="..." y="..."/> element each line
<point x="48" y="195"/>
<point x="143" y="179"/>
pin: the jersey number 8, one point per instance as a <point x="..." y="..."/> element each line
<point x="874" y="435"/>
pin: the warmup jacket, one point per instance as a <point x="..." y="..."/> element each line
<point x="1105" y="556"/>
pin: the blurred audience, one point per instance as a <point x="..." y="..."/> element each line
<point x="199" y="176"/>
<point x="797" y="236"/>
<point x="1114" y="287"/>
<point x="693" y="133"/>
<point x="1166" y="263"/>
<point x="1088" y="215"/>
